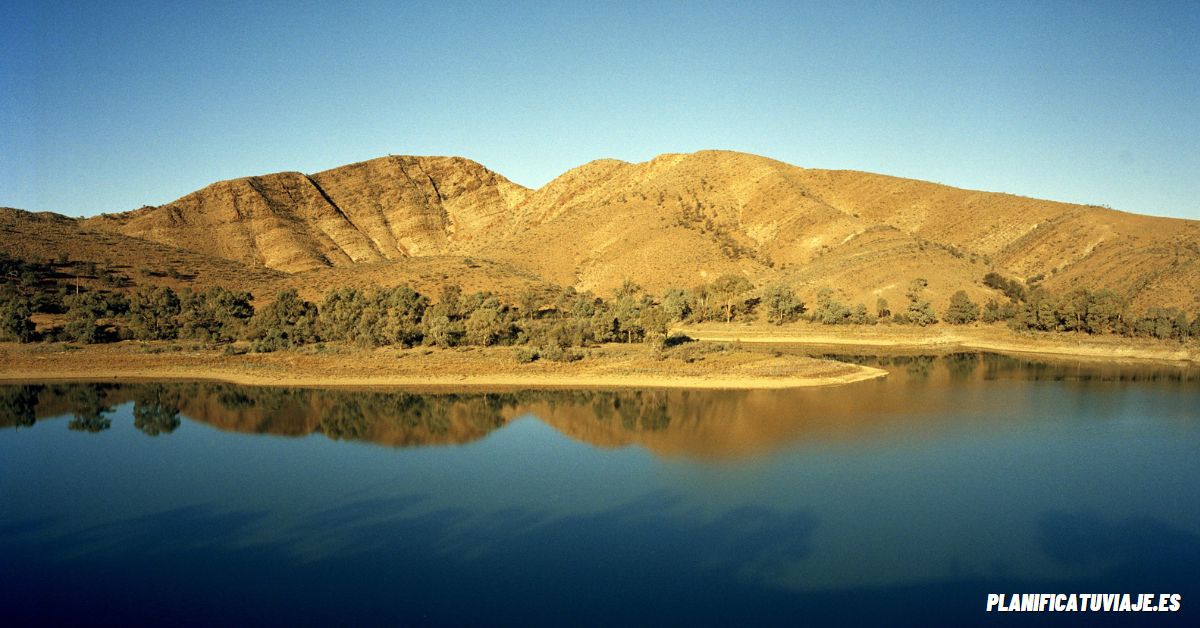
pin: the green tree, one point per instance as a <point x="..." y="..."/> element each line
<point x="628" y="312"/>
<point x="340" y="315"/>
<point x="676" y="303"/>
<point x="529" y="301"/>
<point x="604" y="325"/>
<point x="1105" y="310"/>
<point x="442" y="324"/>
<point x="1010" y="287"/>
<point x="1162" y="323"/>
<point x="730" y="291"/>
<point x="15" y="318"/>
<point x="782" y="304"/>
<point x="153" y="314"/>
<point x="403" y="314"/>
<point x="450" y="300"/>
<point x="85" y="312"/>
<point x="829" y="310"/>
<point x="654" y="322"/>
<point x="226" y="313"/>
<point x="627" y="289"/>
<point x="441" y="330"/>
<point x="1038" y="312"/>
<point x="703" y="304"/>
<point x="286" y="323"/>
<point x="584" y="306"/>
<point x="920" y="311"/>
<point x="1073" y="309"/>
<point x="859" y="315"/>
<point x="991" y="312"/>
<point x="487" y="326"/>
<point x="962" y="309"/>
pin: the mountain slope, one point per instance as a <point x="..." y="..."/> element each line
<point x="376" y="210"/>
<point x="46" y="236"/>
<point x="678" y="219"/>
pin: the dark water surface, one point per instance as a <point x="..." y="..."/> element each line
<point x="904" y="500"/>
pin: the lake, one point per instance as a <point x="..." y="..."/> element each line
<point x="901" y="500"/>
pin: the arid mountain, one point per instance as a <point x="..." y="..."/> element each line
<point x="46" y="236"/>
<point x="678" y="219"/>
<point x="383" y="209"/>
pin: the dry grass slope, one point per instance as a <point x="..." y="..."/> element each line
<point x="678" y="219"/>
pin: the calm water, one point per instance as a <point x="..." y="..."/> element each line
<point x="906" y="499"/>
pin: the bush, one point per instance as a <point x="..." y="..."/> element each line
<point x="85" y="310"/>
<point x="15" y="321"/>
<point x="217" y="315"/>
<point x="287" y="323"/>
<point x="1010" y="287"/>
<point x="881" y="308"/>
<point x="961" y="309"/>
<point x="920" y="312"/>
<point x="829" y="311"/>
<point x="525" y="355"/>
<point x="559" y="354"/>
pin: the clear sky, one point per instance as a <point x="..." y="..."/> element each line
<point x="107" y="106"/>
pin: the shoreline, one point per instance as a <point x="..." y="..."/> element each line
<point x="950" y="339"/>
<point x="413" y="369"/>
<point x="470" y="382"/>
<point x="709" y="366"/>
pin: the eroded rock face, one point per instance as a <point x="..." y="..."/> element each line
<point x="371" y="211"/>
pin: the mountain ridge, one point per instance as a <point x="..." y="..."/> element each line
<point x="676" y="219"/>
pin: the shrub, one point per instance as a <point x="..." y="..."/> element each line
<point x="15" y="321"/>
<point x="920" y="311"/>
<point x="881" y="308"/>
<point x="287" y="323"/>
<point x="961" y="309"/>
<point x="525" y="355"/>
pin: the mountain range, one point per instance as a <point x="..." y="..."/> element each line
<point x="678" y="219"/>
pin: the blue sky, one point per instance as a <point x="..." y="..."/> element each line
<point x="108" y="106"/>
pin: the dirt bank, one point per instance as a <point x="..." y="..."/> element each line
<point x="615" y="366"/>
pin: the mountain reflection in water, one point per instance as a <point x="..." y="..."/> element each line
<point x="903" y="500"/>
<point x="691" y="423"/>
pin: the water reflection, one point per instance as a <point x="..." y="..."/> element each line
<point x="907" y="497"/>
<point x="89" y="406"/>
<point x="156" y="409"/>
<point x="704" y="424"/>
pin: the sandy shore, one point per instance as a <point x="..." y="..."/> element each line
<point x="948" y="338"/>
<point x="619" y="366"/>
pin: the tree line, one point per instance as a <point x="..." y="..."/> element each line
<point x="547" y="322"/>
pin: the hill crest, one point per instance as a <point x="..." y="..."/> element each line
<point x="676" y="219"/>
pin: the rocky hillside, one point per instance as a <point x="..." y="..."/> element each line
<point x="383" y="209"/>
<point x="678" y="219"/>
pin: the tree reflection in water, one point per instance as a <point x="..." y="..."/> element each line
<point x="18" y="405"/>
<point x="156" y="409"/>
<point x="704" y="423"/>
<point x="88" y="407"/>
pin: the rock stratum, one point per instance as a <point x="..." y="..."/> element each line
<point x="678" y="219"/>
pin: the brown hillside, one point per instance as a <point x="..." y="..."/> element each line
<point x="678" y="219"/>
<point x="45" y="236"/>
<point x="371" y="211"/>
